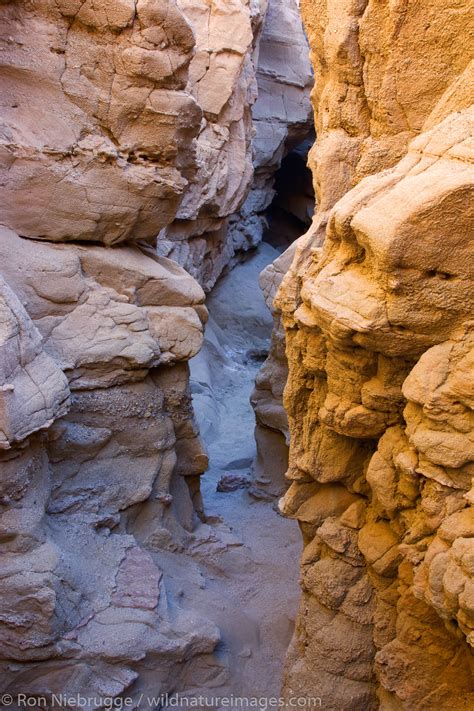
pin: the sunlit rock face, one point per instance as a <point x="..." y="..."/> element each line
<point x="377" y="308"/>
<point x="373" y="90"/>
<point x="374" y="86"/>
<point x="251" y="77"/>
<point x="100" y="458"/>
<point x="95" y="120"/>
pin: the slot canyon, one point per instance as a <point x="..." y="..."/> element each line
<point x="237" y="354"/>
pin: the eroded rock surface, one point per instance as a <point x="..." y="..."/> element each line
<point x="246" y="53"/>
<point x="123" y="124"/>
<point x="377" y="308"/>
<point x="271" y="427"/>
<point x="282" y="116"/>
<point x="97" y="133"/>
<point x="96" y="358"/>
<point x="100" y="457"/>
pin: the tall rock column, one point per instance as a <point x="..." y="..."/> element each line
<point x="377" y="310"/>
<point x="222" y="81"/>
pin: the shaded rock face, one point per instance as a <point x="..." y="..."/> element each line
<point x="377" y="310"/>
<point x="245" y="53"/>
<point x="272" y="435"/>
<point x="292" y="208"/>
<point x="282" y="115"/>
<point x="97" y="434"/>
<point x="100" y="457"/>
<point x="283" y="121"/>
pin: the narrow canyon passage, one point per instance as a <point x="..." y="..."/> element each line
<point x="242" y="573"/>
<point x="156" y="385"/>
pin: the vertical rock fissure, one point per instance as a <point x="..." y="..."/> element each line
<point x="291" y="210"/>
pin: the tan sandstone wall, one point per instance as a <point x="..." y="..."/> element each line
<point x="97" y="437"/>
<point x="123" y="123"/>
<point x="377" y="308"/>
<point x="251" y="76"/>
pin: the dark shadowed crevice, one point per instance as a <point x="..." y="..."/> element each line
<point x="290" y="212"/>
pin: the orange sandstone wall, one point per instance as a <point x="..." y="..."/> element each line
<point x="377" y="309"/>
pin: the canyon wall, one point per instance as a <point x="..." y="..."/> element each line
<point x="121" y="121"/>
<point x="282" y="113"/>
<point x="377" y="310"/>
<point x="239" y="146"/>
<point x="100" y="457"/>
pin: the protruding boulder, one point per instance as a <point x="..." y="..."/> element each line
<point x="33" y="389"/>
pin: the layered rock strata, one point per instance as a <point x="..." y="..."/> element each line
<point x="100" y="458"/>
<point x="121" y="122"/>
<point x="245" y="54"/>
<point x="377" y="308"/>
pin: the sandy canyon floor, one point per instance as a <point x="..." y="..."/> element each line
<point x="243" y="573"/>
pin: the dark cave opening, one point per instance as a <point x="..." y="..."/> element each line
<point x="291" y="210"/>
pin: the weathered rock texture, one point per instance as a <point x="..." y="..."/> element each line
<point x="97" y="130"/>
<point x="94" y="423"/>
<point x="282" y="115"/>
<point x="377" y="308"/>
<point x="272" y="434"/>
<point x="122" y="122"/>
<point x="99" y="455"/>
<point x="243" y="50"/>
